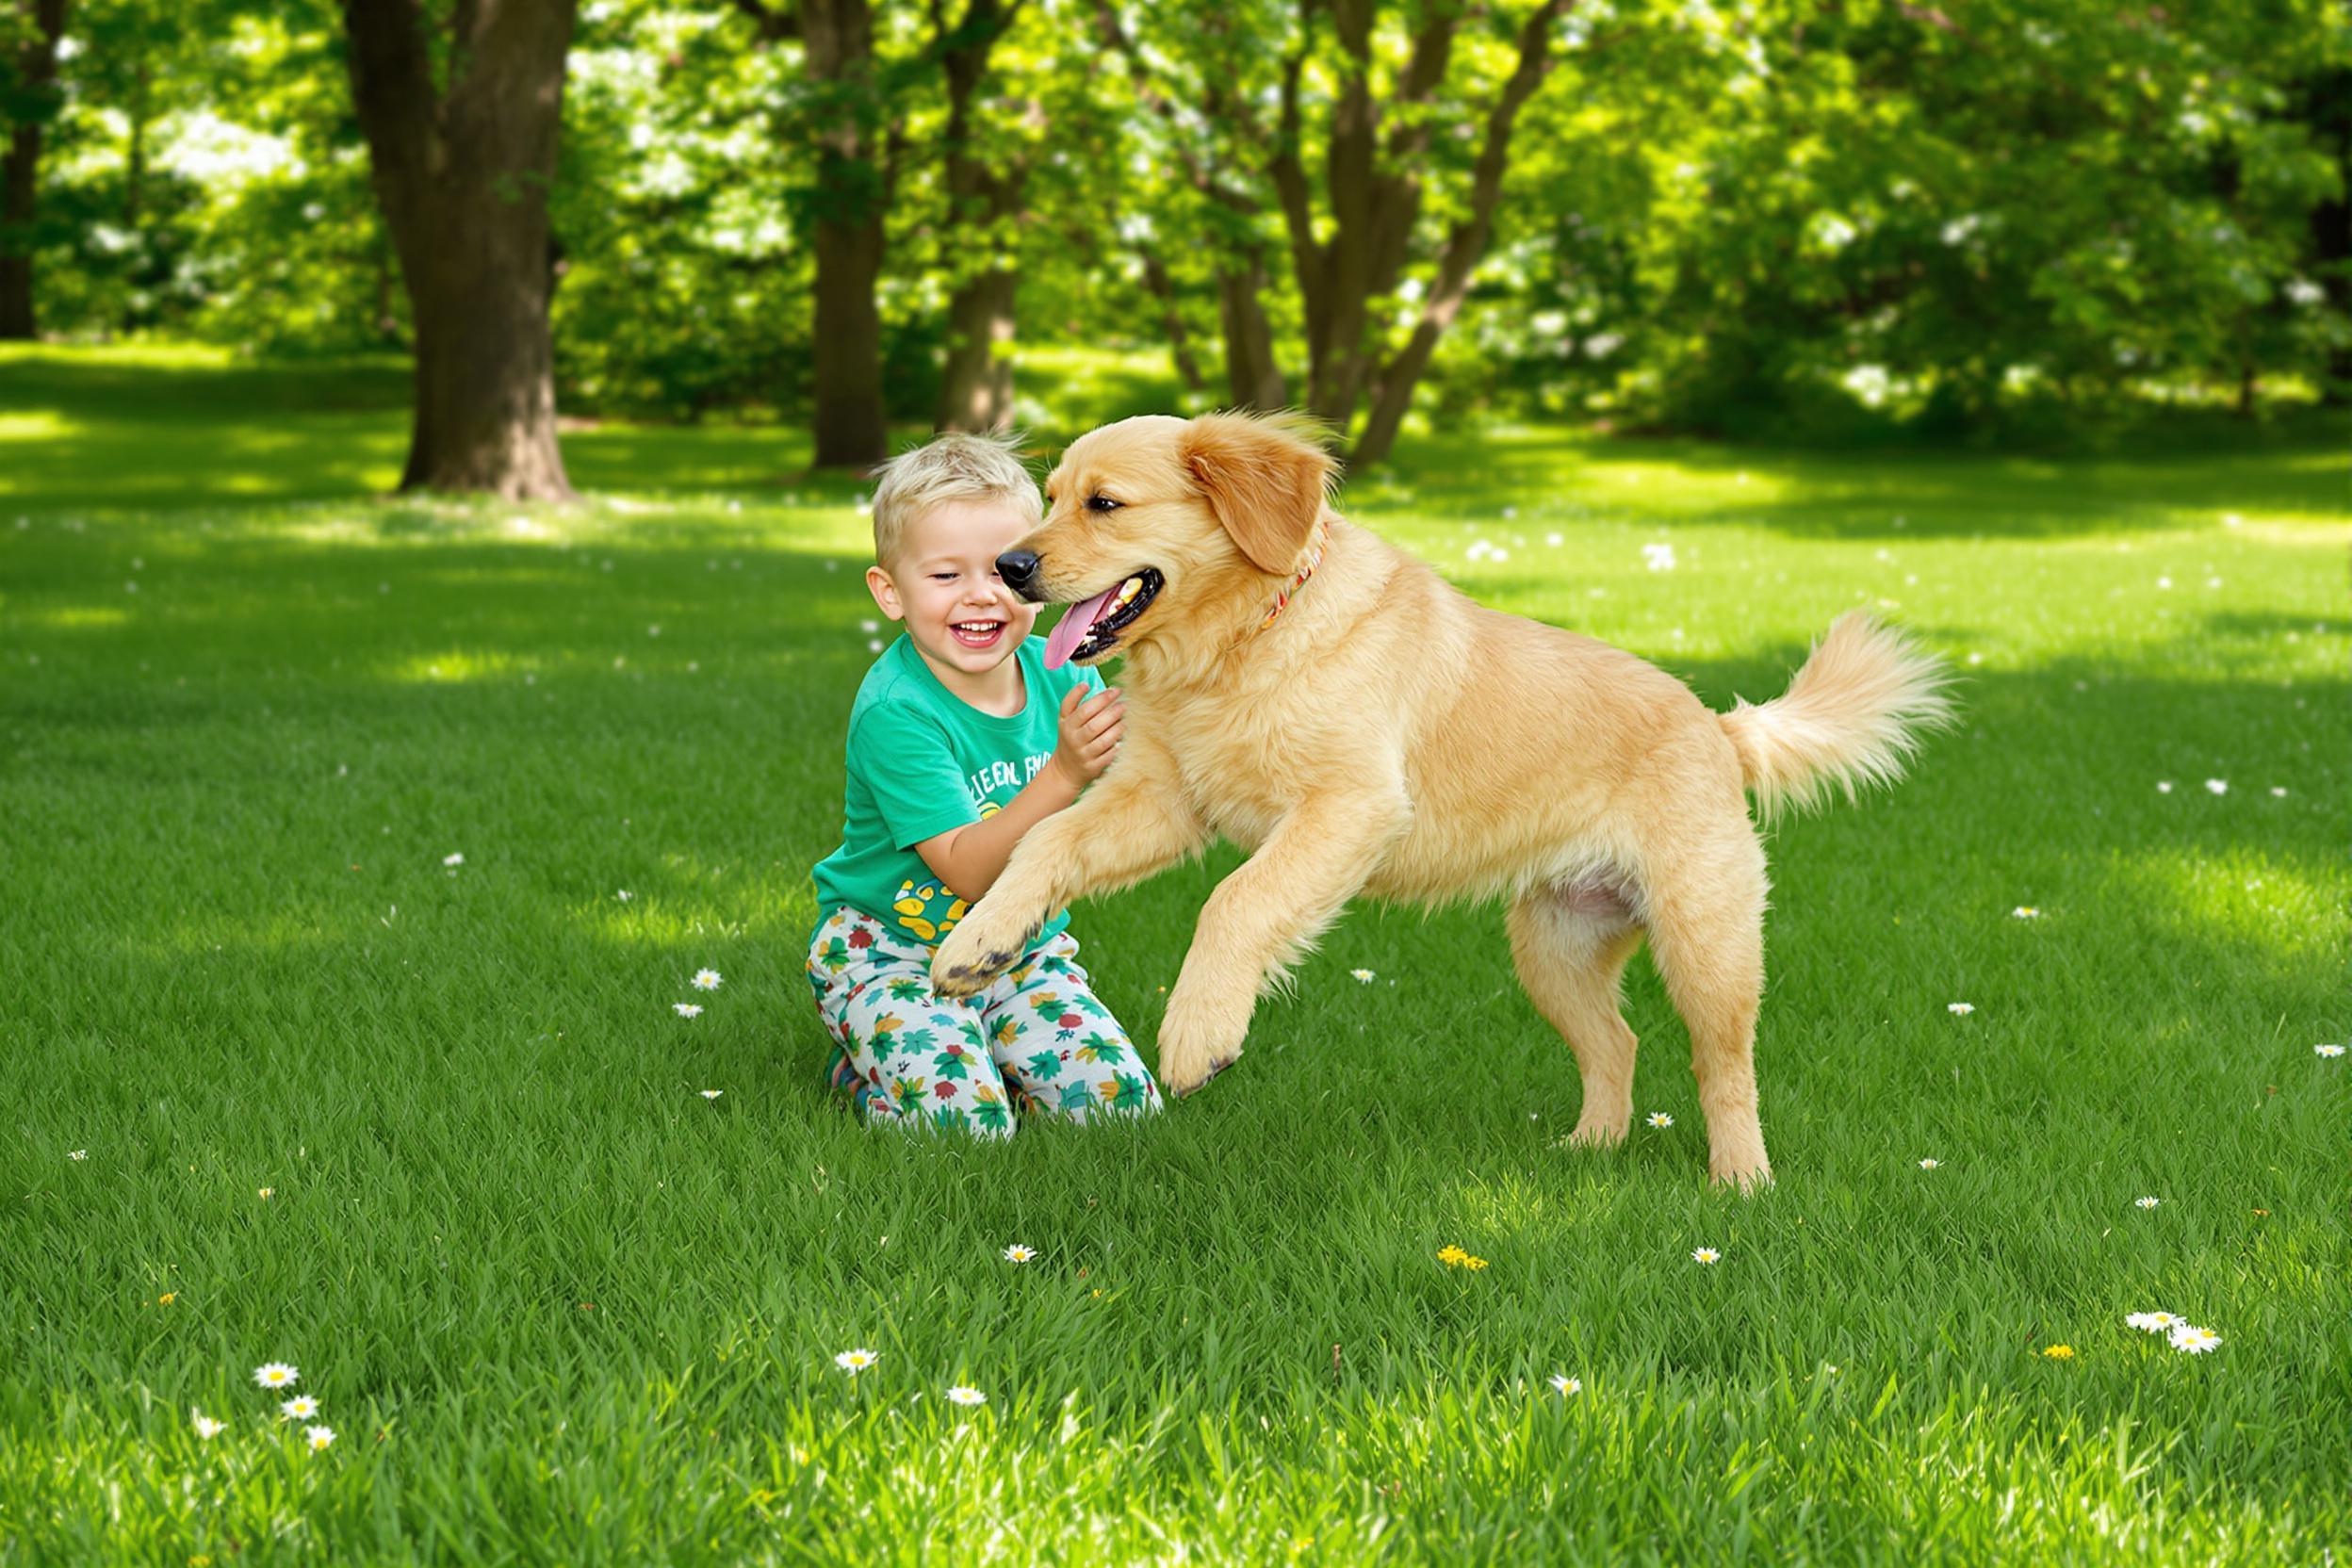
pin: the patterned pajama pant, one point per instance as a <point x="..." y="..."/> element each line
<point x="1035" y="1042"/>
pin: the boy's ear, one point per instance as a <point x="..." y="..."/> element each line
<point x="1265" y="479"/>
<point x="885" y="592"/>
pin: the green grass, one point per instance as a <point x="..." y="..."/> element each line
<point x="560" y="1308"/>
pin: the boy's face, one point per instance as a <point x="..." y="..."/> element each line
<point x="943" y="584"/>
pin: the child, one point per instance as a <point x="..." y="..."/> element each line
<point x="960" y="741"/>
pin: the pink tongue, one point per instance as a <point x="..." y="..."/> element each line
<point x="1071" y="628"/>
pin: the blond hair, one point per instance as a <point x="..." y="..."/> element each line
<point x="952" y="467"/>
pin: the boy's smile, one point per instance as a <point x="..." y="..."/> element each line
<point x="963" y="620"/>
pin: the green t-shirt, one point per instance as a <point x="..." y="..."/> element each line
<point x="921" y="760"/>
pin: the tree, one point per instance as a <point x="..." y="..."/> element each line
<point x="1378" y="91"/>
<point x="28" y="102"/>
<point x="462" y="118"/>
<point x="984" y="194"/>
<point x="843" y="111"/>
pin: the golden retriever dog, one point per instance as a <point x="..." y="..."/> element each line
<point x="1329" y="703"/>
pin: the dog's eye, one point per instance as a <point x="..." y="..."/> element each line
<point x="1101" y="503"/>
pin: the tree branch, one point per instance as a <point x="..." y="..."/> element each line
<point x="775" y="26"/>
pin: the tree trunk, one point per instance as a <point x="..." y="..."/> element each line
<point x="977" y="393"/>
<point x="2328" y="110"/>
<point x="1372" y="185"/>
<point x="983" y="202"/>
<point x="462" y="175"/>
<point x="1465" y="245"/>
<point x="851" y="428"/>
<point x="36" y="73"/>
<point x="134" y="157"/>
<point x="1163" y="288"/>
<point x="1252" y="380"/>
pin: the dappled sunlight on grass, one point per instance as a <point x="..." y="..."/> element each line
<point x="75" y="617"/>
<point x="2280" y="913"/>
<point x="456" y="667"/>
<point x="37" y="426"/>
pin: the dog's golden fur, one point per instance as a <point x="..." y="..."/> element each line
<point x="1386" y="735"/>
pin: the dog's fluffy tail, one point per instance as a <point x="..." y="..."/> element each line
<point x="1852" y="716"/>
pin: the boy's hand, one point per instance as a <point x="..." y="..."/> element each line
<point x="1090" y="727"/>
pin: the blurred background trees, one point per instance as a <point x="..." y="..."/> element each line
<point x="1787" y="218"/>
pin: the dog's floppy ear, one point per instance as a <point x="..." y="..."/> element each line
<point x="1264" y="478"/>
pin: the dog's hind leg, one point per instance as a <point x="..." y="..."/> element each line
<point x="1570" y="946"/>
<point x="1706" y="917"/>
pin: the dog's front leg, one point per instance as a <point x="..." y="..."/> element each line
<point x="1264" y="916"/>
<point x="1131" y="822"/>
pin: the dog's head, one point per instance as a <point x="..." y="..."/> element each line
<point x="1157" y="527"/>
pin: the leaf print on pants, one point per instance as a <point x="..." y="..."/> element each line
<point x="907" y="1077"/>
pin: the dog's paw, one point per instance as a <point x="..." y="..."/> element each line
<point x="1596" y="1135"/>
<point x="1749" y="1180"/>
<point x="1192" y="1053"/>
<point x="968" y="962"/>
<point x="1197" y="1082"/>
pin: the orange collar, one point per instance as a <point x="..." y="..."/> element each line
<point x="1314" y="559"/>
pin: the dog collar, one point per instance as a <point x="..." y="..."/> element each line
<point x="1314" y="559"/>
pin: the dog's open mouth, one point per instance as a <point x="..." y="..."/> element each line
<point x="1089" y="628"/>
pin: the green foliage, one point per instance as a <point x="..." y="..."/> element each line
<point x="1932" y="217"/>
<point x="1759" y="214"/>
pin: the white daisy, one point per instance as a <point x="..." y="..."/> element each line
<point x="206" y="1426"/>
<point x="1659" y="558"/>
<point x="2026" y="911"/>
<point x="961" y="1395"/>
<point x="300" y="1408"/>
<point x="705" y="980"/>
<point x="2218" y="786"/>
<point x="1363" y="974"/>
<point x="2194" y="1340"/>
<point x="2316" y="1050"/>
<point x="275" y="1374"/>
<point x="2164" y="786"/>
<point x="77" y="1153"/>
<point x="1018" y="1253"/>
<point x="2279" y="791"/>
<point x="1930" y="1164"/>
<point x="1659" y="1118"/>
<point x="855" y="1361"/>
<point x="2145" y="1203"/>
<point x="1566" y="1386"/>
<point x="686" y="1009"/>
<point x="1960" y="1009"/>
<point x="453" y="859"/>
<point x="624" y="895"/>
<point x="2154" y="1322"/>
<point x="712" y="1094"/>
<point x="1704" y="1255"/>
<point x="318" y="1437"/>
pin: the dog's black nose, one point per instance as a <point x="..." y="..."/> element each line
<point x="1019" y="568"/>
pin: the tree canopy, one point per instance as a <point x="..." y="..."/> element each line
<point x="1756" y="213"/>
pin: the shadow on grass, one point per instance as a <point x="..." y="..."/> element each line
<point x="2299" y="470"/>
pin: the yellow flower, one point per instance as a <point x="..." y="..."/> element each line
<point x="1474" y="1263"/>
<point x="2060" y="1353"/>
<point x="167" y="1298"/>
<point x="1450" y="1255"/>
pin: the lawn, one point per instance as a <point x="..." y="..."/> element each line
<point x="289" y="1082"/>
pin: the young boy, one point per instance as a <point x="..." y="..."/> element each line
<point x="960" y="741"/>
